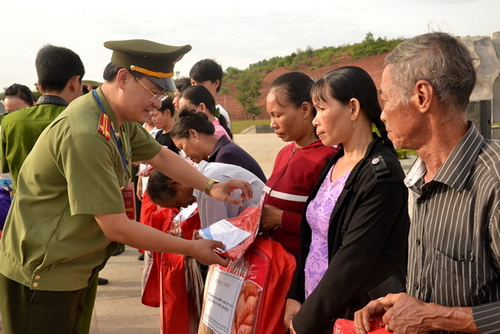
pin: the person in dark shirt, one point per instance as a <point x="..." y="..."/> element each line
<point x="354" y="229"/>
<point x="163" y="119"/>
<point x="194" y="134"/>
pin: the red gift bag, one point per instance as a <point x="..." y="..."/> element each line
<point x="248" y="296"/>
<point x="173" y="281"/>
<point x="161" y="220"/>
<point x="174" y="311"/>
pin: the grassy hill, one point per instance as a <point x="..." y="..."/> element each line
<point x="315" y="63"/>
<point x="310" y="59"/>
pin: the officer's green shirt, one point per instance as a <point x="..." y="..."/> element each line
<point x="21" y="129"/>
<point x="51" y="240"/>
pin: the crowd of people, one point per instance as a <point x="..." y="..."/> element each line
<point x="419" y="252"/>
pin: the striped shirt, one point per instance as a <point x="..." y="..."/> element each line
<point x="454" y="240"/>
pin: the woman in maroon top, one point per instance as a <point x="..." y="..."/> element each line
<point x="298" y="165"/>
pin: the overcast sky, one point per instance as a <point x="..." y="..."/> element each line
<point x="235" y="33"/>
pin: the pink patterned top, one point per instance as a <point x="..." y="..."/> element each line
<point x="219" y="130"/>
<point x="318" y="215"/>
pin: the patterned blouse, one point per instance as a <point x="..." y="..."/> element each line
<point x="318" y="215"/>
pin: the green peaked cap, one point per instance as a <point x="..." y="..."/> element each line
<point x="156" y="61"/>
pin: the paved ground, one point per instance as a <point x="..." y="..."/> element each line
<point x="263" y="147"/>
<point x="118" y="309"/>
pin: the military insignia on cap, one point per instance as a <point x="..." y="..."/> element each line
<point x="104" y="126"/>
<point x="152" y="59"/>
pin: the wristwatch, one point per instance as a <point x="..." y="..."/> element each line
<point x="209" y="186"/>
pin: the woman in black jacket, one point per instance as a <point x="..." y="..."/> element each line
<point x="355" y="224"/>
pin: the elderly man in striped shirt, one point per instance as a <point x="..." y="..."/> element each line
<point x="453" y="282"/>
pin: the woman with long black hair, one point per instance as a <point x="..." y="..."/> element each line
<point x="199" y="98"/>
<point x="355" y="224"/>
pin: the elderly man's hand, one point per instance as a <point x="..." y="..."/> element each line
<point x="400" y="313"/>
<point x="374" y="309"/>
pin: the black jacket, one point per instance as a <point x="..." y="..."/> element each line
<point x="367" y="242"/>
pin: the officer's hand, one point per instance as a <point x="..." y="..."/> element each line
<point x="204" y="251"/>
<point x="222" y="191"/>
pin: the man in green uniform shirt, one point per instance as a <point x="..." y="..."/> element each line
<point x="68" y="211"/>
<point x="60" y="72"/>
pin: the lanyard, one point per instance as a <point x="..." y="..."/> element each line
<point x="118" y="142"/>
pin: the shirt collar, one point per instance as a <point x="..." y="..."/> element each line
<point x="51" y="99"/>
<point x="107" y="107"/>
<point x="416" y="172"/>
<point x="457" y="167"/>
<point x="220" y="142"/>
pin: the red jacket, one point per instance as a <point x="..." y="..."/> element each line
<point x="295" y="173"/>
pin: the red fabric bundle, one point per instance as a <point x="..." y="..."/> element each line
<point x="344" y="326"/>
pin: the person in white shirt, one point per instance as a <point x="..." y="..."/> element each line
<point x="168" y="193"/>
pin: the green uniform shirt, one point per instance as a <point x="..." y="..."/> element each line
<point x="20" y="131"/>
<point x="51" y="240"/>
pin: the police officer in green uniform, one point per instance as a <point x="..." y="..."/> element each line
<point x="68" y="212"/>
<point x="60" y="72"/>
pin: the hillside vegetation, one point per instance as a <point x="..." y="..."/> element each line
<point x="245" y="85"/>
<point x="312" y="59"/>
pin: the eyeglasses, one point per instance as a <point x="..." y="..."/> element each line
<point x="156" y="97"/>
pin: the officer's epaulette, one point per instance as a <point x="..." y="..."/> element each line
<point x="379" y="167"/>
<point x="104" y="126"/>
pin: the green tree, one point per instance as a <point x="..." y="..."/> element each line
<point x="232" y="71"/>
<point x="247" y="94"/>
<point x="224" y="91"/>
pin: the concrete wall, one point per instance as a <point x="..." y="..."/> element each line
<point x="486" y="53"/>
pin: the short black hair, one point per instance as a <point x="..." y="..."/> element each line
<point x="21" y="92"/>
<point x="111" y="70"/>
<point x="167" y="104"/>
<point x="160" y="189"/>
<point x="56" y="65"/>
<point x="182" y="83"/>
<point x="207" y="69"/>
